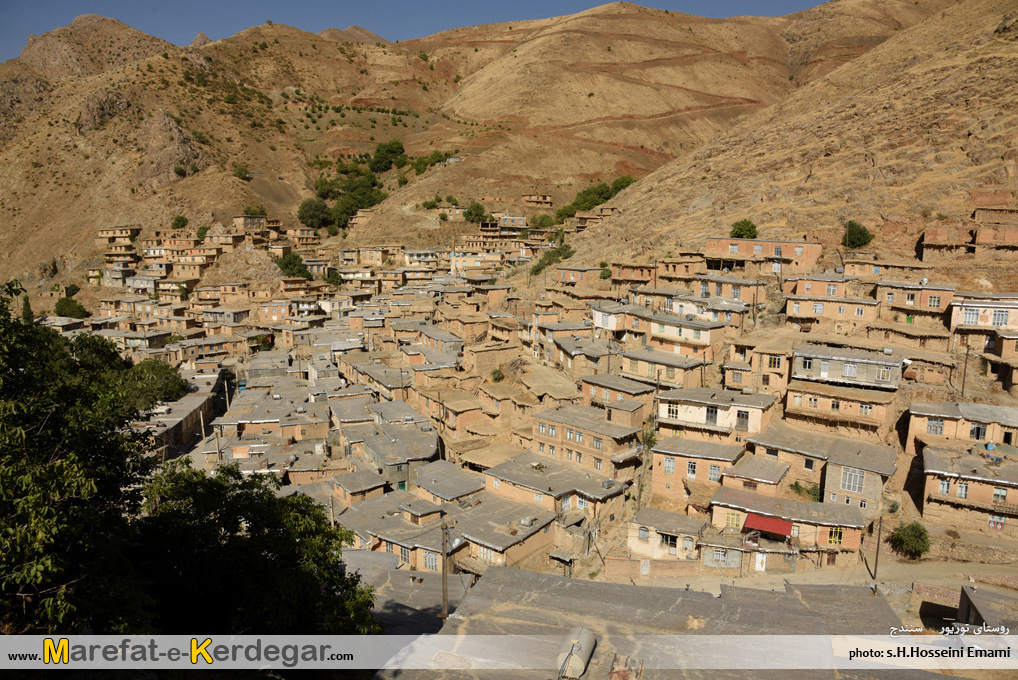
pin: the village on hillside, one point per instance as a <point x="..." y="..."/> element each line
<point x="737" y="413"/>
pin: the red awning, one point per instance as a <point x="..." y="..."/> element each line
<point x="771" y="525"/>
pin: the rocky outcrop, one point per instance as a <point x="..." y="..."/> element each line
<point x="167" y="147"/>
<point x="20" y="95"/>
<point x="98" y="108"/>
<point x="200" y="39"/>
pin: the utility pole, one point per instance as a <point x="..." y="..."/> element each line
<point x="876" y="560"/>
<point x="965" y="368"/>
<point x="445" y="576"/>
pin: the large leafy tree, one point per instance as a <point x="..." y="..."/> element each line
<point x="79" y="549"/>
<point x="313" y="212"/>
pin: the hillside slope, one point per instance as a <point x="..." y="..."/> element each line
<point x="920" y="128"/>
<point x="129" y="129"/>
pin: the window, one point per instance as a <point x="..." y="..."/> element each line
<point x="717" y="288"/>
<point x="935" y="301"/>
<point x="945" y="487"/>
<point x="569" y="434"/>
<point x="687" y="543"/>
<point x="581" y="502"/>
<point x="796" y="307"/>
<point x="733" y="248"/>
<point x="866" y="409"/>
<point x="883" y="375"/>
<point x="569" y="454"/>
<point x="773" y="453"/>
<point x="749" y="485"/>
<point x="673" y="411"/>
<point x="841" y="310"/>
<point x="732" y="520"/>
<point x="691" y="468"/>
<point x="807" y="364"/>
<point x="669" y="466"/>
<point x="597" y="463"/>
<point x="719" y="555"/>
<point x="858" y="311"/>
<point x="832" y="289"/>
<point x="736" y="378"/>
<point x="696" y="333"/>
<point x="541" y="447"/>
<point x="660" y="328"/>
<point x="542" y="428"/>
<point x="773" y="362"/>
<point x="807" y="287"/>
<point x="634" y="366"/>
<point x="670" y="372"/>
<point x="852" y="479"/>
<point x="849" y="370"/>
<point x="566" y="502"/>
<point x="712" y="415"/>
<point x="579" y="457"/>
<point x="934" y="426"/>
<point x="799" y="250"/>
<point x="404" y="555"/>
<point x="963" y="489"/>
<point x="818" y="308"/>
<point x="579" y="437"/>
<point x="834" y="535"/>
<point x="909" y="298"/>
<point x="644" y="534"/>
<point x="1000" y="317"/>
<point x="777" y="251"/>
<point x="728" y="316"/>
<point x="977" y="431"/>
<point x="742" y="420"/>
<point x="890" y="298"/>
<point x="757" y="249"/>
<point x="496" y="483"/>
<point x="714" y="473"/>
<point x="835" y="405"/>
<point x="388" y="547"/>
<point x="605" y="394"/>
<point x="996" y="521"/>
<point x="431" y="561"/>
<point x="808" y="463"/>
<point x="538" y="498"/>
<point x="551" y="430"/>
<point x="486" y="554"/>
<point x="834" y="497"/>
<point x="736" y="291"/>
<point x="999" y="495"/>
<point x="597" y="443"/>
<point x="813" y="402"/>
<point x="970" y="317"/>
<point x="593" y="390"/>
<point x="551" y="450"/>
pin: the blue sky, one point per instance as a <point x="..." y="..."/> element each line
<point x="178" y="21"/>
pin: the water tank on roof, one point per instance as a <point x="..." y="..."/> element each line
<point x="575" y="653"/>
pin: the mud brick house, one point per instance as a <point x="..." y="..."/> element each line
<point x="664" y="370"/>
<point x="713" y="414"/>
<point x="810" y="311"/>
<point x="758" y="474"/>
<point x="583" y="437"/>
<point x="661" y="535"/>
<point x="975" y="489"/>
<point x="937" y="423"/>
<point x="921" y="303"/>
<point x="677" y="460"/>
<point x="603" y="390"/>
<point x="825" y="532"/>
<point x="573" y="275"/>
<point x="760" y="361"/>
<point x="981" y="321"/>
<point x="822" y="460"/>
<point x="760" y="256"/>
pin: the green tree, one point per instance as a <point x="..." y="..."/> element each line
<point x="497" y="375"/>
<point x="69" y="307"/>
<point x="313" y="212"/>
<point x="475" y="212"/>
<point x="444" y="217"/>
<point x="743" y="229"/>
<point x="542" y="221"/>
<point x="856" y="235"/>
<point x="26" y="310"/>
<point x="179" y="222"/>
<point x="240" y="171"/>
<point x="299" y="584"/>
<point x="256" y="211"/>
<point x="402" y="180"/>
<point x="333" y="279"/>
<point x="385" y="155"/>
<point x="72" y="289"/>
<point x="911" y="540"/>
<point x="291" y="264"/>
<point x="151" y="381"/>
<point x="202" y="232"/>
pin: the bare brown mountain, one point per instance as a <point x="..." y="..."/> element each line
<point x="357" y="34"/>
<point x="923" y="127"/>
<point x="129" y="129"/>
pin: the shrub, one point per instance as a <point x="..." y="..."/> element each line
<point x="313" y="213"/>
<point x="202" y="231"/>
<point x="443" y="216"/>
<point x="911" y="540"/>
<point x="258" y="211"/>
<point x="550" y="257"/>
<point x="291" y="264"/>
<point x="181" y="172"/>
<point x="856" y="235"/>
<point x="606" y="273"/>
<point x="813" y="492"/>
<point x="402" y="180"/>
<point x="895" y="507"/>
<point x="497" y="375"/>
<point x="72" y="308"/>
<point x="240" y="172"/>
<point x="179" y="222"/>
<point x="743" y="229"/>
<point x="72" y="289"/>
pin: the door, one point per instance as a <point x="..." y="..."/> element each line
<point x="824" y="367"/>
<point x="644" y="567"/>
<point x="761" y="561"/>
